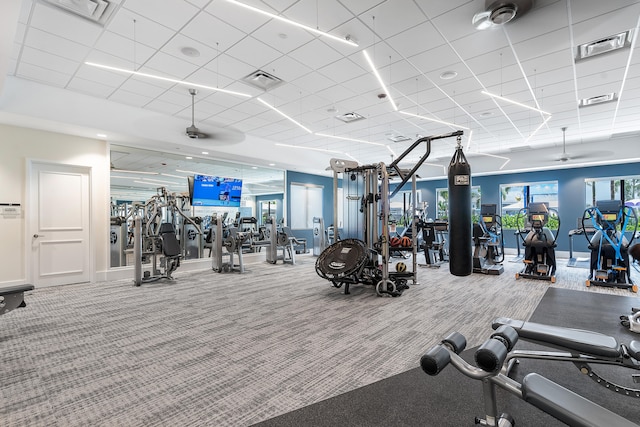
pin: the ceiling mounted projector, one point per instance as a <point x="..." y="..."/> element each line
<point x="500" y="12"/>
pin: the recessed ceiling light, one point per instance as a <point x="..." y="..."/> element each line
<point x="272" y="164"/>
<point x="283" y="35"/>
<point x="486" y="114"/>
<point x="190" y="51"/>
<point x="205" y="152"/>
<point x="188" y="157"/>
<point x="254" y="167"/>
<point x="448" y="75"/>
<point x="101" y="135"/>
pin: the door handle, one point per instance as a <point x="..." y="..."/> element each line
<point x="38" y="235"/>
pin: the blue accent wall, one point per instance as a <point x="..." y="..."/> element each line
<point x="327" y="200"/>
<point x="571" y="195"/>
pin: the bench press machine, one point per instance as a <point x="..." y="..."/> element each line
<point x="12" y="297"/>
<point x="495" y="357"/>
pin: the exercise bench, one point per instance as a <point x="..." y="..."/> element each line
<point x="13" y="297"/>
<point x="546" y="395"/>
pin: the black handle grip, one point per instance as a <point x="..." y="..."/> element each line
<point x="435" y="360"/>
<point x="491" y="355"/>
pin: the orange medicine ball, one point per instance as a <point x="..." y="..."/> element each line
<point x="405" y="241"/>
<point x="394" y="241"/>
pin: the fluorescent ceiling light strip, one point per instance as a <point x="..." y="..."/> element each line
<point x="173" y="176"/>
<point x="309" y="148"/>
<point x="626" y="72"/>
<point x="161" y="181"/>
<point x="513" y="102"/>
<point x="284" y="115"/>
<point x="469" y="140"/>
<point x="194" y="172"/>
<point x="128" y="171"/>
<point x="344" y="138"/>
<point x="537" y="129"/>
<point x="391" y="151"/>
<point x="573" y="66"/>
<point x="297" y="24"/>
<point x="166" y="79"/>
<point x="375" y="72"/>
<point x="434" y="120"/>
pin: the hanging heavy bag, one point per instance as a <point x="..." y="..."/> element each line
<point x="460" y="256"/>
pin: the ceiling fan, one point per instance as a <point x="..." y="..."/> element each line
<point x="192" y="131"/>
<point x="565" y="157"/>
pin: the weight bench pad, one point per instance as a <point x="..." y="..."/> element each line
<point x="15" y="289"/>
<point x="567" y="406"/>
<point x="580" y="340"/>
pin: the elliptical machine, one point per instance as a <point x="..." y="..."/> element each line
<point x="539" y="243"/>
<point x="488" y="253"/>
<point x="609" y="247"/>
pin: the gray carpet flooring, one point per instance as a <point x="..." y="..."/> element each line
<point x="217" y="349"/>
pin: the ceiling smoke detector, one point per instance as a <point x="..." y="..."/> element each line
<point x="500" y="12"/>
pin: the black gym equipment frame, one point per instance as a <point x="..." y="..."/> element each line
<point x="333" y="265"/>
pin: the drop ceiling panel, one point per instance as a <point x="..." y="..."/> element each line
<point x="324" y="15"/>
<point x="145" y="88"/>
<point x="164" y="107"/>
<point x="121" y="47"/>
<point x="281" y="36"/>
<point x="90" y="87"/>
<point x="104" y="77"/>
<point x="315" y="54"/>
<point x="287" y="69"/>
<point x="176" y="44"/>
<point x="359" y="6"/>
<point x="418" y="39"/>
<point x="56" y="22"/>
<point x="388" y="14"/>
<point x="173" y="14"/>
<point x="253" y="52"/>
<point x="230" y="67"/>
<point x="210" y="30"/>
<point x="130" y="98"/>
<point x="165" y="65"/>
<point x="457" y="23"/>
<point x="55" y="45"/>
<point x="146" y="31"/>
<point x="54" y="62"/>
<point x="240" y="18"/>
<point x="342" y="70"/>
<point x="434" y="59"/>
<point x="42" y="75"/>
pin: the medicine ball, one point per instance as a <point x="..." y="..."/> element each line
<point x="401" y="267"/>
<point x="635" y="252"/>
<point x="394" y="241"/>
<point x="405" y="241"/>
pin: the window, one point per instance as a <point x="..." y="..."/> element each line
<point x="514" y="197"/>
<point x="621" y="188"/>
<point x="306" y="202"/>
<point x="400" y="207"/>
<point x="442" y="202"/>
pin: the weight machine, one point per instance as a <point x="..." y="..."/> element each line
<point x="363" y="256"/>
<point x="488" y="240"/>
<point x="609" y="247"/>
<point x="154" y="237"/>
<point x="540" y="242"/>
<point x="226" y="241"/>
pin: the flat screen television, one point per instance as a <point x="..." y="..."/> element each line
<point x="207" y="190"/>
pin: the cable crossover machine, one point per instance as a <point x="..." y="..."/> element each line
<point x="363" y="253"/>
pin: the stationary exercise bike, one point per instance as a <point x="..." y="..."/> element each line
<point x="539" y="243"/>
<point x="488" y="253"/>
<point x="609" y="247"/>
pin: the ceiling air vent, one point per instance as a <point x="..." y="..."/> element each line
<point x="397" y="137"/>
<point x="262" y="80"/>
<point x="349" y="117"/>
<point x="609" y="97"/>
<point x="96" y="11"/>
<point x="605" y="45"/>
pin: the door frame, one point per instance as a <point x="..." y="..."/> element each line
<point x="30" y="211"/>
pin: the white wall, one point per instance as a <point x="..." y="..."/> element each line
<point x="17" y="146"/>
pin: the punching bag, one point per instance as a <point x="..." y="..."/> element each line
<point x="460" y="256"/>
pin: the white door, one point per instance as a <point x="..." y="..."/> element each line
<point x="58" y="227"/>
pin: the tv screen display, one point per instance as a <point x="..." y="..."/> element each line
<point x="216" y="191"/>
